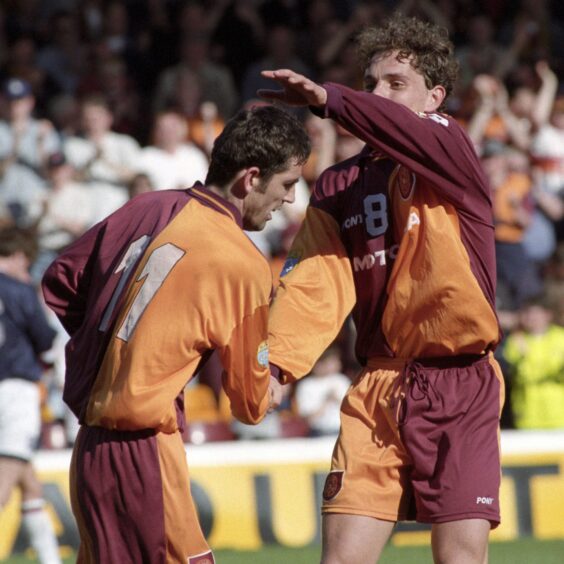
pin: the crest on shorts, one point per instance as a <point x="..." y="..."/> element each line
<point x="206" y="558"/>
<point x="333" y="484"/>
<point x="262" y="354"/>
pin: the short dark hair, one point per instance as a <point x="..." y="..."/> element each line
<point x="267" y="137"/>
<point x="427" y="43"/>
<point x="15" y="239"/>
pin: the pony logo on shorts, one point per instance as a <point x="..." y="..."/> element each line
<point x="206" y="558"/>
<point x="333" y="484"/>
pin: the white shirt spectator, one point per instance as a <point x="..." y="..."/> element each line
<point x="171" y="161"/>
<point x="22" y="137"/>
<point x="21" y="194"/>
<point x="103" y="163"/>
<point x="547" y="148"/>
<point x="318" y="399"/>
<point x="71" y="205"/>
<point x="36" y="139"/>
<point x="179" y="169"/>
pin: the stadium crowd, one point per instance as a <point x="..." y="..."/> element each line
<point x="103" y="100"/>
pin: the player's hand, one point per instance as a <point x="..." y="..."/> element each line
<point x="274" y="394"/>
<point x="297" y="90"/>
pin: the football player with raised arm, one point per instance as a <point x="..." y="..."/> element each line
<point x="402" y="235"/>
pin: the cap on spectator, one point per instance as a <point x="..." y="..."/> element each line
<point x="56" y="159"/>
<point x="16" y="88"/>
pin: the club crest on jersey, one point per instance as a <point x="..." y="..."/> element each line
<point x="206" y="558"/>
<point x="333" y="484"/>
<point x="262" y="354"/>
<point x="405" y="181"/>
<point x="291" y="263"/>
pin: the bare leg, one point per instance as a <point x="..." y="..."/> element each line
<point x="11" y="471"/>
<point x="461" y="542"/>
<point x="353" y="539"/>
<point x="35" y="520"/>
<point x="30" y="484"/>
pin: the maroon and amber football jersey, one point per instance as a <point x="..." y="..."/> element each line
<point x="146" y="294"/>
<point x="401" y="234"/>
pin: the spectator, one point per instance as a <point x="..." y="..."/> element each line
<point x="216" y="81"/>
<point x="323" y="135"/>
<point x="205" y="126"/>
<point x="547" y="150"/>
<point x="24" y="335"/>
<point x="116" y="37"/>
<point x="106" y="160"/>
<point x="554" y="283"/>
<point x="140" y="184"/>
<point x="512" y="119"/>
<point x="512" y="210"/>
<point x="280" y="54"/>
<point x="319" y="395"/>
<point x="21" y="191"/>
<point x="535" y="356"/>
<point x="20" y="63"/>
<point x="172" y="161"/>
<point x="67" y="211"/>
<point x="62" y="58"/>
<point x="240" y="18"/>
<point x="64" y="111"/>
<point x="23" y="138"/>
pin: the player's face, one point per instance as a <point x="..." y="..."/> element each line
<point x="267" y="197"/>
<point x="399" y="81"/>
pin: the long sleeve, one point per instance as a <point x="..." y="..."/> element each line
<point x="245" y="360"/>
<point x="431" y="145"/>
<point x="63" y="280"/>
<point x="315" y="295"/>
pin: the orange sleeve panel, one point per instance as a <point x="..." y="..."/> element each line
<point x="246" y="375"/>
<point x="200" y="285"/>
<point x="315" y="295"/>
<point x="435" y="305"/>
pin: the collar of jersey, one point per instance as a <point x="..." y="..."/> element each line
<point x="215" y="201"/>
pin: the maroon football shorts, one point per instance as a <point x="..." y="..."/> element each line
<point x="130" y="494"/>
<point x="420" y="440"/>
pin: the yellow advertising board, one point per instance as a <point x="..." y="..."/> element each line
<point x="254" y="493"/>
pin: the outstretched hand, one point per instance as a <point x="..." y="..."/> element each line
<point x="297" y="90"/>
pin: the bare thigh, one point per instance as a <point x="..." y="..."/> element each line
<point x="11" y="472"/>
<point x="30" y="484"/>
<point x="461" y="542"/>
<point x="353" y="539"/>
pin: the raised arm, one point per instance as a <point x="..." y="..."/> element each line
<point x="296" y="89"/>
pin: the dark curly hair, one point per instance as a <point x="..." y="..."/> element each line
<point x="428" y="44"/>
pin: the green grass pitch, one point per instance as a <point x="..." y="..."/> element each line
<point x="524" y="551"/>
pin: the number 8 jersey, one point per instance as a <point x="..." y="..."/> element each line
<point x="146" y="294"/>
<point x="401" y="234"/>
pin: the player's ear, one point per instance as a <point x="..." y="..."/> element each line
<point x="435" y="98"/>
<point x="250" y="179"/>
<point x="245" y="181"/>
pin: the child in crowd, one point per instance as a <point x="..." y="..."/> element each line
<point x="535" y="357"/>
<point x="319" y="396"/>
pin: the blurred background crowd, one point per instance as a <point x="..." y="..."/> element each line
<point x="104" y="99"/>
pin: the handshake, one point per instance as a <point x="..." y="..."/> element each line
<point x="275" y="393"/>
